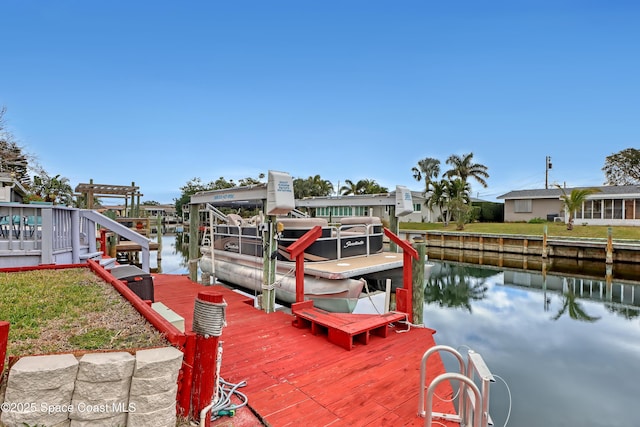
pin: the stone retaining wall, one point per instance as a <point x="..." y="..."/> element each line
<point x="114" y="389"/>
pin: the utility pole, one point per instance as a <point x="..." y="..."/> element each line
<point x="546" y="172"/>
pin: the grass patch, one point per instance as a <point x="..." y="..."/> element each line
<point x="69" y="310"/>
<point x="554" y="229"/>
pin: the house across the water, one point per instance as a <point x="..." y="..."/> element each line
<point x="612" y="205"/>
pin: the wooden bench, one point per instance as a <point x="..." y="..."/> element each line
<point x="343" y="328"/>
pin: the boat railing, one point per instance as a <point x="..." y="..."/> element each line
<point x="242" y="234"/>
<point x="356" y="231"/>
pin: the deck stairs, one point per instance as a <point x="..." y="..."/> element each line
<point x="343" y="329"/>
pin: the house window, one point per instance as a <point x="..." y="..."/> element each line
<point x="360" y="210"/>
<point x="597" y="209"/>
<point x="588" y="209"/>
<point x="522" y="206"/>
<point x="608" y="209"/>
<point x="417" y="207"/>
<point x="617" y="209"/>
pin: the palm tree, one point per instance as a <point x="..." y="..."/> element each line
<point x="464" y="168"/>
<point x="459" y="206"/>
<point x="314" y="186"/>
<point x="429" y="169"/>
<point x="574" y="200"/>
<point x="438" y="198"/>
<point x="363" y="186"/>
<point x="53" y="189"/>
<point x="349" y="187"/>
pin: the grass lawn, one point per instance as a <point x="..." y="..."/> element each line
<point x="553" y="229"/>
<point x="69" y="310"/>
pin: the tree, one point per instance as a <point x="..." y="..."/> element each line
<point x="623" y="168"/>
<point x="574" y="200"/>
<point x="12" y="158"/>
<point x="438" y="198"/>
<point x="464" y="168"/>
<point x="429" y="169"/>
<point x="459" y="206"/>
<point x="363" y="186"/>
<point x="314" y="186"/>
<point x="56" y="189"/>
<point x="451" y="194"/>
<point x="251" y="181"/>
<point x="195" y="185"/>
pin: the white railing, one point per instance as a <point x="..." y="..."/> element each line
<point x="35" y="234"/>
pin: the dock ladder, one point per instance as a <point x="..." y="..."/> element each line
<point x="473" y="401"/>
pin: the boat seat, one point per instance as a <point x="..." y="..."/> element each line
<point x="309" y="223"/>
<point x="235" y="219"/>
<point x="348" y="220"/>
<point x="357" y="224"/>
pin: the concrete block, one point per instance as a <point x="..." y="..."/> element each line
<point x="40" y="399"/>
<point x="33" y="418"/>
<point x="165" y="417"/>
<point x="171" y="316"/>
<point x="157" y="362"/>
<point x="98" y="408"/>
<point x="85" y="390"/>
<point x="119" y="420"/>
<point x="46" y="407"/>
<point x="99" y="367"/>
<point x="154" y="402"/>
<point x="144" y="386"/>
<point x="43" y="372"/>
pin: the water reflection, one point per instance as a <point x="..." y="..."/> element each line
<point x="567" y="343"/>
<point x="174" y="255"/>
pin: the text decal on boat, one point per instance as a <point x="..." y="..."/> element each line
<point x="353" y="243"/>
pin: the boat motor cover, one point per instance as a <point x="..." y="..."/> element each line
<point x="280" y="198"/>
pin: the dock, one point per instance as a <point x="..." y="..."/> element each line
<point x="298" y="377"/>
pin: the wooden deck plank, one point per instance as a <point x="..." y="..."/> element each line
<point x="296" y="378"/>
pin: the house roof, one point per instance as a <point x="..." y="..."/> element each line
<point x="606" y="191"/>
<point x="6" y="179"/>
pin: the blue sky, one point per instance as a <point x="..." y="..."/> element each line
<point x="158" y="92"/>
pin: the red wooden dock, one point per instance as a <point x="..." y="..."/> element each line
<point x="296" y="377"/>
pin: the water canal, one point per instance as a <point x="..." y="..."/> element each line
<point x="567" y="345"/>
<point x="563" y="335"/>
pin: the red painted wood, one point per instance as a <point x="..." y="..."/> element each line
<point x="204" y="365"/>
<point x="4" y="339"/>
<point x="405" y="299"/>
<point x="295" y="378"/>
<point x="185" y="381"/>
<point x="296" y="250"/>
<point x="173" y="334"/>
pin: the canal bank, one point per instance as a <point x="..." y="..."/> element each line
<point x="589" y="249"/>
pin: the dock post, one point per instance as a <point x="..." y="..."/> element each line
<point x="544" y="242"/>
<point x="194" y="241"/>
<point x="609" y="257"/>
<point x="418" y="282"/>
<point x="208" y="321"/>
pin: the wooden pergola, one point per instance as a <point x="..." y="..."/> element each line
<point x="91" y="191"/>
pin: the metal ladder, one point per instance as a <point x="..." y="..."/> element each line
<point x="473" y="401"/>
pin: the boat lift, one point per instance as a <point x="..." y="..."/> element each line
<point x="473" y="401"/>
